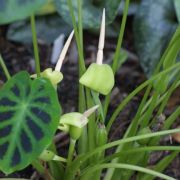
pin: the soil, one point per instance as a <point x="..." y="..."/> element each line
<point x="20" y="57"/>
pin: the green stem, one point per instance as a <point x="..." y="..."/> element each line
<point x="78" y="41"/>
<point x="80" y="27"/>
<point x="71" y="151"/>
<point x="35" y="45"/>
<point x="93" y="169"/>
<point x="3" y="65"/>
<point x="148" y="113"/>
<point x="38" y="166"/>
<point x="82" y="144"/>
<point x="56" y="168"/>
<point x="120" y="38"/>
<point x="91" y="123"/>
<point x="97" y="101"/>
<point x="117" y="52"/>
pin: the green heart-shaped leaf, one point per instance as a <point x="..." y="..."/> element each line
<point x="29" y="116"/>
<point x="92" y="12"/>
<point x="13" y="10"/>
<point x="48" y="28"/>
<point x="154" y="26"/>
<point x="177" y="8"/>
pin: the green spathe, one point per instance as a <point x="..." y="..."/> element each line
<point x="74" y="119"/>
<point x="73" y="123"/>
<point x="101" y="135"/>
<point x="47" y="155"/>
<point x="99" y="78"/>
<point x="54" y="76"/>
<point x="144" y="131"/>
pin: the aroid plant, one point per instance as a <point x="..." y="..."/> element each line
<point x="30" y="114"/>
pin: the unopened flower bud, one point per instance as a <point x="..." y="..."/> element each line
<point x="101" y="135"/>
<point x="144" y="131"/>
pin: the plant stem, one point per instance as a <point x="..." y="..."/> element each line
<point x="78" y="41"/>
<point x="35" y="45"/>
<point x="120" y="38"/>
<point x="55" y="168"/>
<point x="97" y="101"/>
<point x="81" y="56"/>
<point x="3" y="65"/>
<point x="80" y="28"/>
<point x="79" y="38"/>
<point x="148" y="114"/>
<point x="117" y="52"/>
<point x="91" y="123"/>
<point x="38" y="166"/>
<point x="71" y="151"/>
<point x="82" y="144"/>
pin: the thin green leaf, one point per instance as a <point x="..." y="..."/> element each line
<point x="93" y="169"/>
<point x="137" y="90"/>
<point x="79" y="161"/>
<point x="160" y="166"/>
<point x="98" y="102"/>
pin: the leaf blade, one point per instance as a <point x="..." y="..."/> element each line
<point x="29" y="128"/>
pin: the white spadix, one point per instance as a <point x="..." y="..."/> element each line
<point x="63" y="52"/>
<point x="88" y="112"/>
<point x="99" y="59"/>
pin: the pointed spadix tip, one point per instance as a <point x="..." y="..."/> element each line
<point x="99" y="59"/>
<point x="63" y="52"/>
<point x="104" y="11"/>
<point x="90" y="111"/>
<point x="95" y="107"/>
<point x="103" y="17"/>
<point x="71" y="35"/>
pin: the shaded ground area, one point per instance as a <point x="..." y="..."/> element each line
<point x="20" y="57"/>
